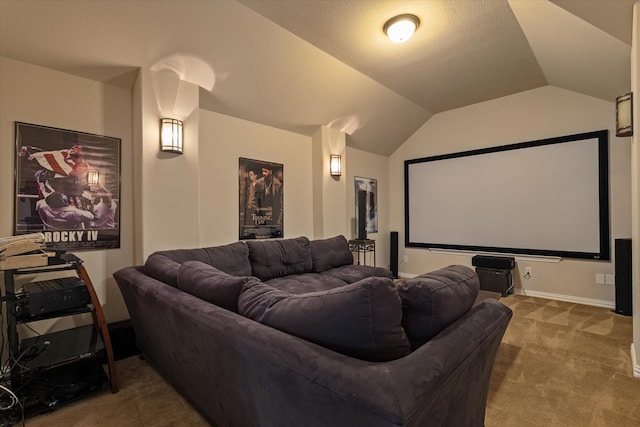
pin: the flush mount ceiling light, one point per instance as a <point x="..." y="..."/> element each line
<point x="400" y="28"/>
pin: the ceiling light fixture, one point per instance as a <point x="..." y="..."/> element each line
<point x="400" y="28"/>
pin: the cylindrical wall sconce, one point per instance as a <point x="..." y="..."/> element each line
<point x="624" y="115"/>
<point x="171" y="136"/>
<point x="335" y="165"/>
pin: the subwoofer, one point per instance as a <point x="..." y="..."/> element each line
<point x="623" y="277"/>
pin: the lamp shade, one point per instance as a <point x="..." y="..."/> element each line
<point x="624" y="115"/>
<point x="171" y="135"/>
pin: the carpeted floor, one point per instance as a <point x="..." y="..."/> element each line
<point x="563" y="364"/>
<point x="560" y="364"/>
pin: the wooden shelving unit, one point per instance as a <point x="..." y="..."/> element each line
<point x="64" y="356"/>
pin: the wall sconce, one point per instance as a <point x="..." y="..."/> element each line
<point x="93" y="176"/>
<point x="624" y="115"/>
<point x="335" y="164"/>
<point x="171" y="136"/>
<point x="400" y="28"/>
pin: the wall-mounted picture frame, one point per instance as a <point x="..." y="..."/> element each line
<point x="261" y="196"/>
<point x="67" y="186"/>
<point x="370" y="188"/>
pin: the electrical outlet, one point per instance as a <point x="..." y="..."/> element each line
<point x="405" y="258"/>
<point x="610" y="279"/>
<point x="600" y="279"/>
<point x="527" y="272"/>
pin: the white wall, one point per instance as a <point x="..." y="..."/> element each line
<point x="367" y="165"/>
<point x="222" y="141"/>
<point x="536" y="114"/>
<point x="166" y="197"/>
<point x="635" y="196"/>
<point x="41" y="96"/>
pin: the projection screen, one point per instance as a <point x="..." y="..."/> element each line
<point x="546" y="197"/>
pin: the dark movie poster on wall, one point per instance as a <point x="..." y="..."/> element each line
<point x="67" y="187"/>
<point x="261" y="199"/>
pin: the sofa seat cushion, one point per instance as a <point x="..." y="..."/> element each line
<point x="361" y="320"/>
<point x="330" y="253"/>
<point x="210" y="284"/>
<point x="433" y="301"/>
<point x="232" y="259"/>
<point x="279" y="258"/>
<point x="305" y="283"/>
<point x="352" y="273"/>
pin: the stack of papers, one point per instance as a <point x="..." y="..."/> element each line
<point x="26" y="250"/>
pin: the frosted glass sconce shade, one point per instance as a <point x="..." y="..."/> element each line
<point x="624" y="115"/>
<point x="336" y="164"/>
<point x="171" y="135"/>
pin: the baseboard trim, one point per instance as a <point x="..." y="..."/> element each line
<point x="548" y="295"/>
<point x="566" y="298"/>
<point x="634" y="362"/>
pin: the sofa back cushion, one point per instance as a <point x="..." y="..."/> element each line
<point x="210" y="284"/>
<point x="232" y="259"/>
<point x="279" y="258"/>
<point x="361" y="320"/>
<point x="330" y="253"/>
<point x="433" y="301"/>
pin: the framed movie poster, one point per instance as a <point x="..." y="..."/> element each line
<point x="261" y="199"/>
<point x="370" y="187"/>
<point x="67" y="187"/>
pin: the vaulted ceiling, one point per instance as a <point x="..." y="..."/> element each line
<point x="299" y="64"/>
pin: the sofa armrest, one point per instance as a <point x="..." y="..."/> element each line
<point x="445" y="382"/>
<point x="240" y="372"/>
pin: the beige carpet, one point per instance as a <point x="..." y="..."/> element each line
<point x="559" y="364"/>
<point x="563" y="364"/>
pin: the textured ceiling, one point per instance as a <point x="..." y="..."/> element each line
<point x="299" y="64"/>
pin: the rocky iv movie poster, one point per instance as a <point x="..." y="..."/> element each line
<point x="67" y="187"/>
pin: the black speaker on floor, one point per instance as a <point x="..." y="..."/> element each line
<point x="123" y="339"/>
<point x="362" y="215"/>
<point x="393" y="254"/>
<point x="623" y="276"/>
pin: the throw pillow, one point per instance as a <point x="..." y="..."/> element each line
<point x="210" y="284"/>
<point x="232" y="258"/>
<point x="433" y="301"/>
<point x="330" y="253"/>
<point x="162" y="268"/>
<point x="279" y="258"/>
<point x="361" y="320"/>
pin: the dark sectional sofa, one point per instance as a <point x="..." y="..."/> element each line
<point x="289" y="332"/>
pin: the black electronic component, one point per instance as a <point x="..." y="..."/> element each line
<point x="623" y="272"/>
<point x="393" y="254"/>
<point x="497" y="262"/>
<point x="362" y="215"/>
<point x="49" y="296"/>
<point x="494" y="273"/>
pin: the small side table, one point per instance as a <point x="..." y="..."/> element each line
<point x="363" y="247"/>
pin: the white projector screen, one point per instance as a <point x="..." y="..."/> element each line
<point x="547" y="197"/>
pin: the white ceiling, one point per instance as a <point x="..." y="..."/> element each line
<point x="299" y="64"/>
